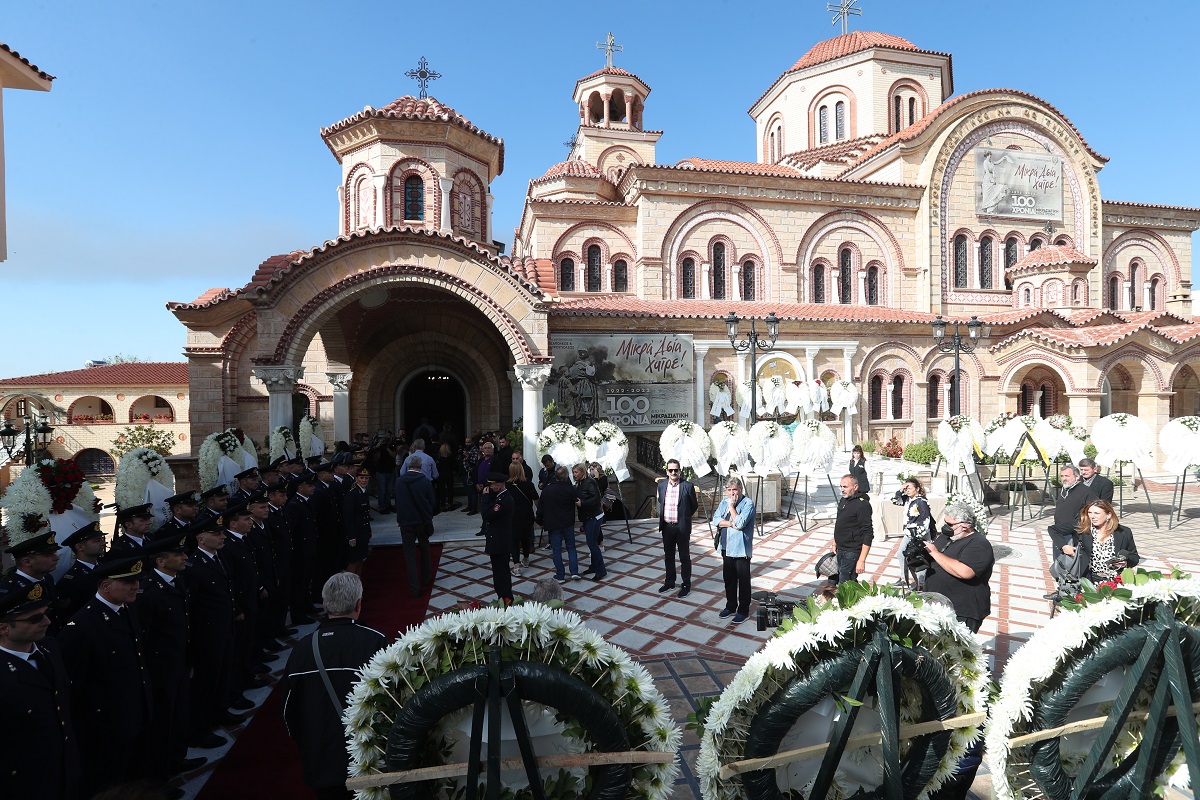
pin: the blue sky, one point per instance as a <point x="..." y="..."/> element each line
<point x="179" y="146"/>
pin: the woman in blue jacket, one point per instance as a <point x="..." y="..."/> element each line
<point x="735" y="523"/>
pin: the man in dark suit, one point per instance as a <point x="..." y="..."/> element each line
<point x="36" y="558"/>
<point x="496" y="506"/>
<point x="302" y="519"/>
<point x="133" y="525"/>
<point x="77" y="585"/>
<point x="183" y="508"/>
<point x="248" y="590"/>
<point x="248" y="483"/>
<point x="39" y="754"/>
<point x="210" y="632"/>
<point x="214" y="501"/>
<point x="414" y="514"/>
<point x="676" y="504"/>
<point x="281" y="556"/>
<point x="162" y="610"/>
<point x="259" y="538"/>
<point x="1072" y="497"/>
<point x="110" y="686"/>
<point x="356" y="521"/>
<point x="330" y="554"/>
<point x="1100" y="486"/>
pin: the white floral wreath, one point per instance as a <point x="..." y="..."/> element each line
<point x="843" y="396"/>
<point x="1122" y="438"/>
<point x="1061" y="437"/>
<point x="686" y="441"/>
<point x="730" y="445"/>
<point x="535" y="632"/>
<point x="959" y="439"/>
<point x="813" y="446"/>
<point x="563" y="442"/>
<point x="282" y="442"/>
<point x="1179" y="441"/>
<point x="310" y="436"/>
<point x="606" y="444"/>
<point x="28" y="507"/>
<point x="1067" y="637"/>
<point x="930" y="625"/>
<point x="139" y="467"/>
<point x="770" y="446"/>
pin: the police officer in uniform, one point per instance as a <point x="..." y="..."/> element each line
<point x="302" y="520"/>
<point x="133" y="526"/>
<point x="36" y="558"/>
<point x="356" y="521"/>
<point x="183" y="508"/>
<point x="77" y="585"/>
<point x="214" y="502"/>
<point x="110" y="686"/>
<point x="264" y="562"/>
<point x="238" y="556"/>
<point x="39" y="757"/>
<point x="281" y="557"/>
<point x="248" y="483"/>
<point x="496" y="507"/>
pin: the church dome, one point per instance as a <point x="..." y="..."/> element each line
<point x="1051" y="256"/>
<point x="409" y="107"/>
<point x="853" y="42"/>
<point x="575" y="168"/>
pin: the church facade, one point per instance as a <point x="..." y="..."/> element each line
<point x="879" y="200"/>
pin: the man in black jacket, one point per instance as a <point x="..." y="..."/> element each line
<point x="590" y="514"/>
<point x="213" y="502"/>
<point x="182" y="509"/>
<point x="312" y="716"/>
<point x="248" y="592"/>
<point x="1100" y="486"/>
<point x="556" y="513"/>
<point x="302" y="520"/>
<point x="853" y="531"/>
<point x="36" y="559"/>
<point x="133" y="525"/>
<point x="1072" y="497"/>
<point x="676" y="505"/>
<point x="414" y="514"/>
<point x="280" y="532"/>
<point x="496" y="506"/>
<point x="329" y="556"/>
<point x="110" y="686"/>
<point x="77" y="585"/>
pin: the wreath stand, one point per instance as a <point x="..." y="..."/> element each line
<point x="486" y="685"/>
<point x="1121" y="492"/>
<point x="1175" y="518"/>
<point x="1022" y="473"/>
<point x="953" y="482"/>
<point x="624" y="508"/>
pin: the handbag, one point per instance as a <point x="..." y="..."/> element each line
<point x="1069" y="569"/>
<point x="827" y="566"/>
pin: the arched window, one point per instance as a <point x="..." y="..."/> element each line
<point x="845" y="278"/>
<point x="933" y="396"/>
<point x="689" y="278"/>
<point x="823" y="123"/>
<point x="1011" y="249"/>
<point x="620" y="276"/>
<point x="985" y="262"/>
<point x="414" y="198"/>
<point x="748" y="280"/>
<point x="1027" y="298"/>
<point x="1026" y="401"/>
<point x="1134" y="278"/>
<point x="876" y="400"/>
<point x="771" y="138"/>
<point x="1035" y="243"/>
<point x="1153" y="295"/>
<point x="566" y="275"/>
<point x="1044" y="400"/>
<point x="897" y="102"/>
<point x="818" y="284"/>
<point x="364" y="203"/>
<point x="1075" y="293"/>
<point x="839" y="119"/>
<point x="1114" y="293"/>
<point x="593" y="268"/>
<point x="873" y="286"/>
<point x="960" y="261"/>
<point x="1062" y="241"/>
<point x="912" y="110"/>
<point x="898" y="397"/>
<point x="718" y="272"/>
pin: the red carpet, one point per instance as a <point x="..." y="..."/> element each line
<point x="264" y="762"/>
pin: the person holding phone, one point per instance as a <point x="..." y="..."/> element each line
<point x="1108" y="545"/>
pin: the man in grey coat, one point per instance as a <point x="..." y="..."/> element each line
<point x="414" y="514"/>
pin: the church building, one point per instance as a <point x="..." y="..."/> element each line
<point x="878" y="201"/>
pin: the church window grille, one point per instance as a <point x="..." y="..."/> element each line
<point x="960" y="261"/>
<point x="689" y="278"/>
<point x="1153" y="295"/>
<point x="1010" y="258"/>
<point x="873" y="286"/>
<point x="912" y="110"/>
<point x="818" y="284"/>
<point x="1075" y="293"/>
<point x="772" y="156"/>
<point x="593" y="268"/>
<point x="1027" y="299"/>
<point x="839" y="120"/>
<point x="898" y="397"/>
<point x="897" y="103"/>
<point x="1134" y="277"/>
<point x="718" y="271"/>
<point x="823" y="123"/>
<point x="620" y="276"/>
<point x="566" y="275"/>
<point x="877" y="397"/>
<point x="748" y="280"/>
<point x="1114" y="293"/>
<point x="414" y="198"/>
<point x="1044" y="400"/>
<point x="985" y="262"/>
<point x="933" y="396"/>
<point x="1026" y="403"/>
<point x="1035" y="243"/>
<point x="845" y="278"/>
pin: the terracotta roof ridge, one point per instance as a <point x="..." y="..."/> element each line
<point x="32" y="67"/>
<point x="1162" y="206"/>
<point x="409" y="107"/>
<point x="794" y="175"/>
<point x="623" y="73"/>
<point x="137" y="373"/>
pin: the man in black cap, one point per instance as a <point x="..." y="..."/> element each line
<point x="77" y="585"/>
<point x="269" y="474"/>
<point x="330" y="554"/>
<point x="292" y="470"/>
<point x="259" y="538"/>
<point x="210" y="628"/>
<point x="162" y="610"/>
<point x="356" y="521"/>
<point x="39" y="754"/>
<point x="214" y="502"/>
<point x="36" y="558"/>
<point x="496" y="506"/>
<point x="302" y="520"/>
<point x="183" y="508"/>
<point x="110" y="688"/>
<point x="281" y="557"/>
<point x="248" y="483"/>
<point x="133" y="525"/>
<point x="238" y="557"/>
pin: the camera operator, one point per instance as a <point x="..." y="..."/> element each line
<point x="917" y="525"/>
<point x="961" y="567"/>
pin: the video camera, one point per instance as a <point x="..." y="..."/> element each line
<point x="772" y="611"/>
<point x="916" y="558"/>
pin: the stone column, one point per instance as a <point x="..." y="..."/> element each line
<point x="607" y="108"/>
<point x="862" y="287"/>
<point x="532" y="378"/>
<point x="487" y="218"/>
<point x="834" y="295"/>
<point x="847" y="417"/>
<point x="1126" y="297"/>
<point x="379" y="181"/>
<point x="1146" y="295"/>
<point x="280" y="381"/>
<point x="341" y="195"/>
<point x="340" y="381"/>
<point x="946" y="403"/>
<point x="1155" y="409"/>
<point x="701" y="386"/>
<point x="446" y="184"/>
<point x="1084" y="408"/>
<point x="702" y="276"/>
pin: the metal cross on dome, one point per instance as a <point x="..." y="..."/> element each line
<point x="843" y="11"/>
<point x="423" y="75"/>
<point x="609" y="46"/>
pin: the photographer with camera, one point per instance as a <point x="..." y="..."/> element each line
<point x="961" y="567"/>
<point x="1105" y="545"/>
<point x="917" y="528"/>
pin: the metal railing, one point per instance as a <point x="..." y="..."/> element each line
<point x="648" y="454"/>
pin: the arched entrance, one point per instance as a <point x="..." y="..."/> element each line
<point x="435" y="396"/>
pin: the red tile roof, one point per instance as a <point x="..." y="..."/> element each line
<point x="1148" y="205"/>
<point x="844" y="152"/>
<point x="624" y="73"/>
<point x="32" y="67"/>
<point x="1104" y="335"/>
<point x="854" y="42"/>
<point x="627" y="306"/>
<point x="135" y="373"/>
<point x="914" y="130"/>
<point x="420" y="108"/>
<point x="575" y="168"/>
<point x="1051" y="255"/>
<point x="738" y="167"/>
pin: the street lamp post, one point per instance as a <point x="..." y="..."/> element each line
<point x="955" y="344"/>
<point x="755" y="345"/>
<point x="37" y="436"/>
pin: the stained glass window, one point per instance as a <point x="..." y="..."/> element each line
<point x="689" y="278"/>
<point x="718" y="271"/>
<point x="620" y="276"/>
<point x="960" y="261"/>
<point x="414" y="198"/>
<point x="593" y="268"/>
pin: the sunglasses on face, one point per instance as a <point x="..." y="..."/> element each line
<point x="35" y="619"/>
<point x="671" y="471"/>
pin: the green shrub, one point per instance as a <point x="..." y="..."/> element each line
<point x="868" y="446"/>
<point x="1090" y="450"/>
<point x="922" y="452"/>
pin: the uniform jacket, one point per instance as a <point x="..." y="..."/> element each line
<point x="311" y="719"/>
<point x="162" y="612"/>
<point x="853" y="526"/>
<point x="264" y="557"/>
<point x="123" y="546"/>
<point x="210" y="593"/>
<point x="497" y="512"/>
<point x="73" y="590"/>
<point x="686" y="508"/>
<point x="280" y="531"/>
<point x="39" y="755"/>
<point x="238" y="557"/>
<point x="302" y="520"/>
<point x="356" y="515"/>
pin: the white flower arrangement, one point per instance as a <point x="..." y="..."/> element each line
<point x="1123" y="438"/>
<point x="813" y="446"/>
<point x="816" y="634"/>
<point x="86" y="500"/>
<point x="1006" y="430"/>
<point x="563" y="442"/>
<point x="959" y="439"/>
<point x="1059" y="436"/>
<point x="843" y="396"/>
<point x="215" y="446"/>
<point x="730" y="446"/>
<point x="820" y="395"/>
<point x="607" y="445"/>
<point x="770" y="446"/>
<point x="282" y="443"/>
<point x="1179" y="441"/>
<point x="534" y="632"/>
<point x="720" y="395"/>
<point x="686" y="442"/>
<point x="312" y="442"/>
<point x="1068" y="637"/>
<point x="143" y="476"/>
<point x="26" y="505"/>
